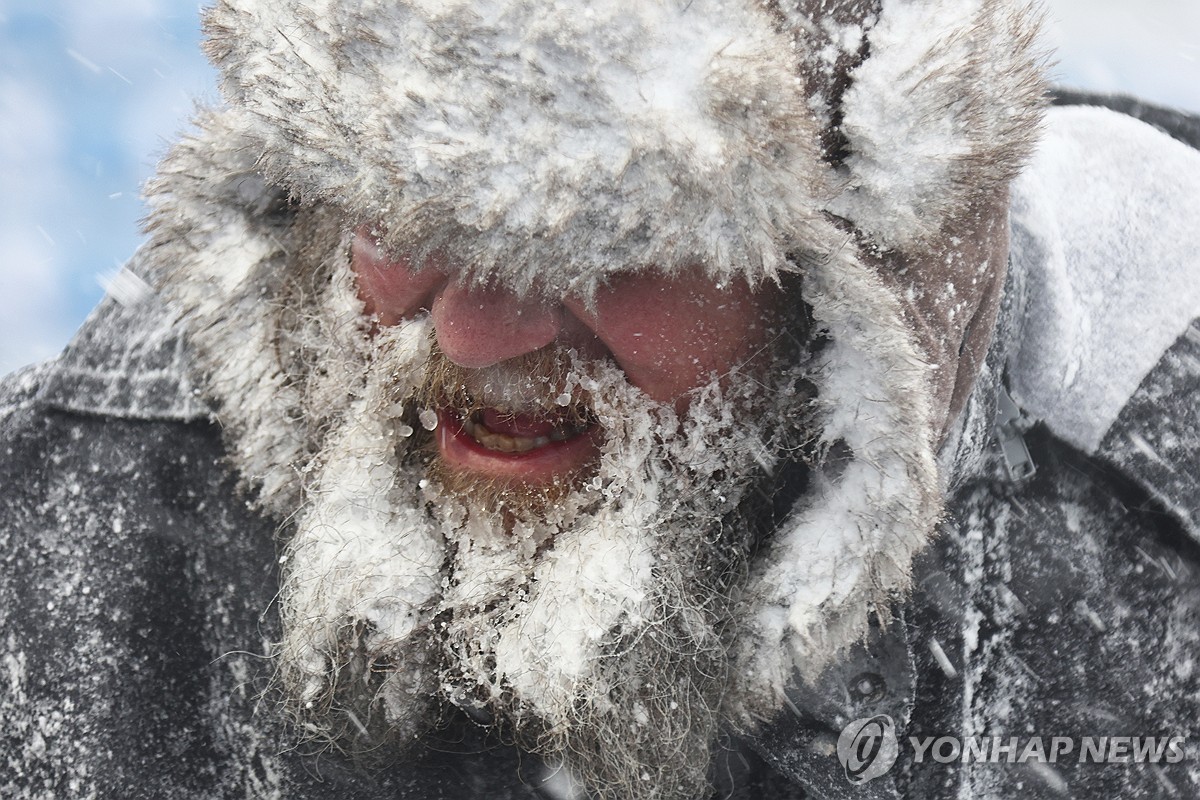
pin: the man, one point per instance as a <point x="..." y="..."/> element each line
<point x="590" y="386"/>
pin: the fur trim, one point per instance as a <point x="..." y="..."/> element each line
<point x="926" y="132"/>
<point x="553" y="149"/>
<point x="541" y="148"/>
<point x="846" y="551"/>
<point x="220" y="243"/>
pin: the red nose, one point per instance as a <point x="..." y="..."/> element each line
<point x="481" y="327"/>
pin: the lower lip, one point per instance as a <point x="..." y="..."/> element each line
<point x="541" y="466"/>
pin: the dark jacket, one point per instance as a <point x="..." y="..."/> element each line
<point x="136" y="601"/>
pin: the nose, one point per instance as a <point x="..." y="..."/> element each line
<point x="479" y="327"/>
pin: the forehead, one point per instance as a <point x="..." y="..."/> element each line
<point x="533" y="144"/>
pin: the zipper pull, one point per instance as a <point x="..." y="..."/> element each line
<point x="1012" y="444"/>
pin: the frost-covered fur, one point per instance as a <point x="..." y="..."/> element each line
<point x="943" y="113"/>
<point x="554" y="146"/>
<point x="550" y="148"/>
<point x="211" y="220"/>
<point x="846" y="551"/>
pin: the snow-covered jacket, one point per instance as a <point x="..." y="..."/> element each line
<point x="1061" y="597"/>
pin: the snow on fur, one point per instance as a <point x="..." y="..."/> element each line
<point x="846" y="551"/>
<point x="215" y="253"/>
<point x="549" y="147"/>
<point x="944" y="111"/>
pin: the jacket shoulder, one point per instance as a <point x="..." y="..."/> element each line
<point x="1061" y="606"/>
<point x="129" y="360"/>
<point x="1102" y="227"/>
<point x="19" y="389"/>
<point x="1177" y="124"/>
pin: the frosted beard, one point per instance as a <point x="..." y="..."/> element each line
<point x="591" y="619"/>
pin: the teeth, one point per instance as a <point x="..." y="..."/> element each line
<point x="504" y="443"/>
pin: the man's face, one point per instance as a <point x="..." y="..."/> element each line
<point x="668" y="335"/>
<point x="537" y="508"/>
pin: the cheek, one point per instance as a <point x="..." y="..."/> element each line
<point x="391" y="290"/>
<point x="671" y="335"/>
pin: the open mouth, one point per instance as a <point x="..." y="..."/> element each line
<point x="518" y="433"/>
<point x="532" y="448"/>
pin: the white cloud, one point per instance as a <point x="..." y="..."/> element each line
<point x="89" y="97"/>
<point x="30" y="327"/>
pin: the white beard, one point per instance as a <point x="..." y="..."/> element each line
<point x="594" y="626"/>
<point x="314" y="409"/>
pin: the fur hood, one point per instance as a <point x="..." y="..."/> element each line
<point x="868" y="145"/>
<point x="557" y="144"/>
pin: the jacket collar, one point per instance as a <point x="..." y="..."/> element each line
<point x="127" y="361"/>
<point x="1153" y="441"/>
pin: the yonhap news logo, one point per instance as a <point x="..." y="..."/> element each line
<point x="1048" y="749"/>
<point x="869" y="747"/>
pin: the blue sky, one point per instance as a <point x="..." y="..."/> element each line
<point x="91" y="92"/>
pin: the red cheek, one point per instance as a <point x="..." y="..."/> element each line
<point x="391" y="290"/>
<point x="670" y="335"/>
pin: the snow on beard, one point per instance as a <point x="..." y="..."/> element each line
<point x="592" y="621"/>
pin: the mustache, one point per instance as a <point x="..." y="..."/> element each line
<point x="546" y="383"/>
